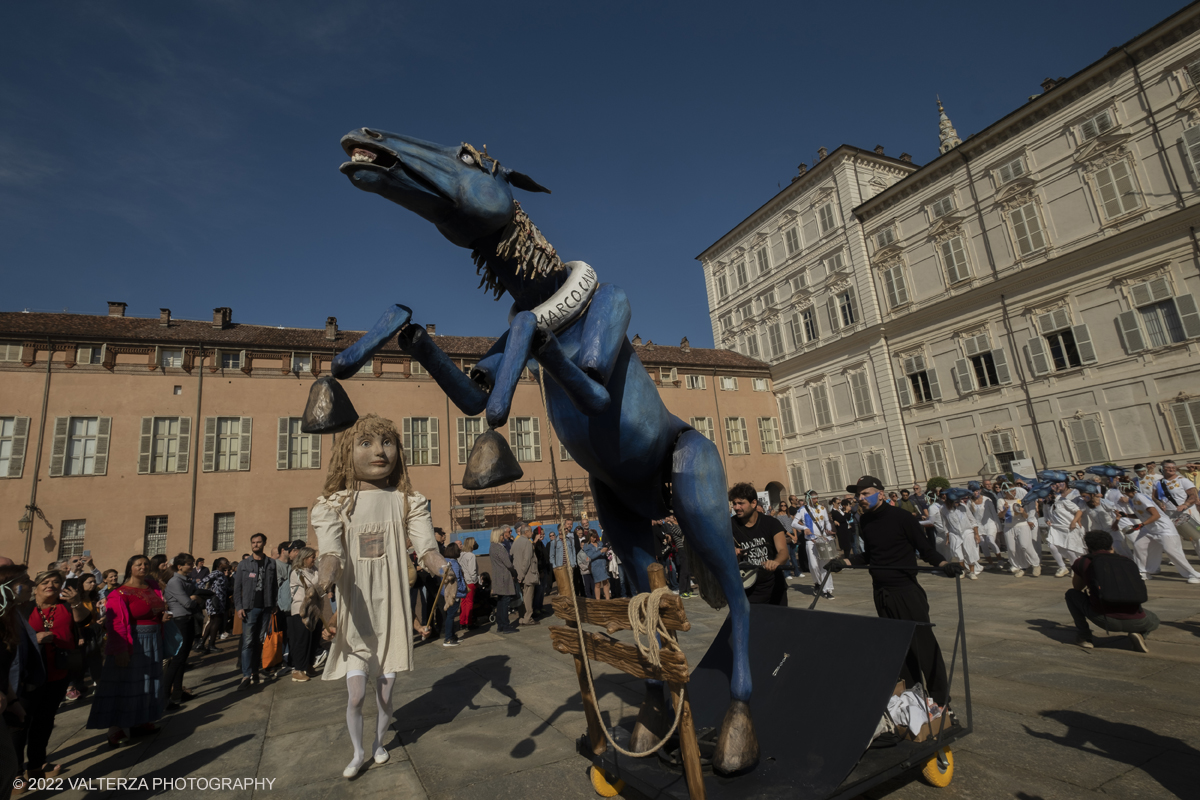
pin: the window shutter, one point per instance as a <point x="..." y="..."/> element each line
<point x="992" y="466"/>
<point x="58" y="451"/>
<point x="935" y="390"/>
<point x="1131" y="332"/>
<point x="210" y="444"/>
<point x="1079" y="438"/>
<point x="434" y="442"/>
<point x="146" y="445"/>
<point x="904" y="391"/>
<point x="281" y="444"/>
<point x="1141" y="294"/>
<point x="103" y="429"/>
<point x="831" y="311"/>
<point x="1003" y="373"/>
<point x="963" y="376"/>
<point x="1083" y="341"/>
<point x="537" y="439"/>
<point x="1191" y="145"/>
<point x="462" y="440"/>
<point x="183" y="447"/>
<point x="1039" y="359"/>
<point x="854" y="301"/>
<point x="244" y="445"/>
<point x="1188" y="438"/>
<point x="314" y="450"/>
<point x="406" y="434"/>
<point x="16" y="460"/>
<point x="1189" y="316"/>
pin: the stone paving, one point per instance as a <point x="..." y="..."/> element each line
<point x="498" y="717"/>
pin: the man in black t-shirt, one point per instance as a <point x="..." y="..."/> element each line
<point x="761" y="543"/>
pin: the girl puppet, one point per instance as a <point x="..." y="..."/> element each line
<point x="367" y="519"/>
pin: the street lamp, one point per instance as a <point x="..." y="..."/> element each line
<point x="25" y="524"/>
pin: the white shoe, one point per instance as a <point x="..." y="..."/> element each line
<point x="1037" y="571"/>
<point x="224" y="636"/>
<point x="320" y="660"/>
<point x="354" y="766"/>
<point x="1145" y="577"/>
<point x="1193" y="580"/>
<point x="973" y="576"/>
<point x="1018" y="573"/>
<point x="381" y="755"/>
<point x="1062" y="572"/>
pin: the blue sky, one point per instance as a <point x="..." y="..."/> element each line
<point x="185" y="154"/>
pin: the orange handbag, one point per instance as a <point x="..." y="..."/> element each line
<point x="272" y="646"/>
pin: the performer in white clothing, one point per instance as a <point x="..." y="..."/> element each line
<point x="962" y="537"/>
<point x="987" y="523"/>
<point x="1066" y="540"/>
<point x="1179" y="498"/>
<point x="1157" y="536"/>
<point x="1096" y="516"/>
<point x="812" y="523"/>
<point x="1020" y="531"/>
<point x="365" y="523"/>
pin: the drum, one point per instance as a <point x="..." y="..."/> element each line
<point x="1187" y="527"/>
<point x="826" y="549"/>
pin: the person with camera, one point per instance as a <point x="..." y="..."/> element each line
<point x="891" y="537"/>
<point x="761" y="545"/>
<point x="1107" y="591"/>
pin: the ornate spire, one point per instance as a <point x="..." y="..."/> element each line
<point x="946" y="133"/>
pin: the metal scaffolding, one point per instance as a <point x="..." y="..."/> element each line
<point x="521" y="501"/>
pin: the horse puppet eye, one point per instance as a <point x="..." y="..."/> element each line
<point x="466" y="157"/>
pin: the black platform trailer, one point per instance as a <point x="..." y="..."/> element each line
<point x="822" y="681"/>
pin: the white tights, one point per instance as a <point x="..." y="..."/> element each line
<point x="356" y="690"/>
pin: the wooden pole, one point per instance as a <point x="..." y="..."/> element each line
<point x="591" y="710"/>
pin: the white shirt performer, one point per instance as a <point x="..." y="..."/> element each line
<point x="1066" y="540"/>
<point x="1180" y="500"/>
<point x="1157" y="536"/>
<point x="812" y="523"/>
<point x="986" y="521"/>
<point x="1020" y="532"/>
<point x="365" y="523"/>
<point x="962" y="536"/>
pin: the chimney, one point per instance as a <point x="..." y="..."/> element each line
<point x="116" y="309"/>
<point x="164" y="317"/>
<point x="878" y="149"/>
<point x="222" y="317"/>
<point x="636" y="339"/>
<point x="906" y="158"/>
<point x="331" y="328"/>
<point x="821" y="153"/>
<point x="685" y="345"/>
<point x="803" y="168"/>
<point x="1049" y="84"/>
<point x="431" y="329"/>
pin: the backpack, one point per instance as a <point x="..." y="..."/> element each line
<point x="1117" y="580"/>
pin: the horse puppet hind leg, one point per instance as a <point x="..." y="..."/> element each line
<point x="698" y="497"/>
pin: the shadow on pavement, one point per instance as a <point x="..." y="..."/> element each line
<point x="1055" y="631"/>
<point x="455" y="692"/>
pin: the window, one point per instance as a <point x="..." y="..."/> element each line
<point x="920" y="384"/>
<point x="726" y="322"/>
<point x="577" y="507"/>
<point x="421" y="441"/>
<point x="791" y="240"/>
<point x="775" y="339"/>
<point x="764" y="265"/>
<point x="528" y="511"/>
<point x="415" y="368"/>
<point x="825" y="218"/>
<point x="170" y="358"/>
<point x="1002" y="451"/>
<point x="231" y="359"/>
<point x="955" y="257"/>
<point x="744" y="312"/>
<point x="820" y="396"/>
<point x="14" y="436"/>
<point x="768" y="434"/>
<point x="1186" y="415"/>
<point x="833" y="475"/>
<point x="296" y="449"/>
<point x="860" y="390"/>
<point x="808" y="319"/>
<point x="728" y="384"/>
<point x="983" y="367"/>
<point x="740" y="273"/>
<point x="367" y="368"/>
<point x="526" y="438"/>
<point x="884" y="238"/>
<point x="10" y="351"/>
<point x="479" y="515"/>
<point x="154" y="541"/>
<point x="1158" y="319"/>
<point x="768" y="299"/>
<point x="92" y="354"/>
<point x="798" y="282"/>
<point x="722" y="287"/>
<point x="704" y="425"/>
<point x="298" y="524"/>
<point x="1011" y="170"/>
<point x="875" y="465"/>
<point x="227" y="444"/>
<point x="165" y="445"/>
<point x="787" y="415"/>
<point x="1193" y="71"/>
<point x="1027" y="229"/>
<point x="696" y="382"/>
<point x="301" y="363"/>
<point x="1191" y="147"/>
<point x="841" y="309"/>
<point x="80" y="446"/>
<point x="735" y="435"/>
<point x="1087" y="438"/>
<point x="1095" y="125"/>
<point x="563" y="454"/>
<point x="893" y="284"/>
<point x="467" y="366"/>
<point x="752" y="344"/>
<point x="668" y="374"/>
<point x="71" y="540"/>
<point x="933" y="455"/>
<point x="222" y="531"/>
<point x="1118" y="194"/>
<point x="941" y="207"/>
<point x="1061" y="345"/>
<point x="835" y="263"/>
<point x="796" y="475"/>
<point x="469" y="429"/>
<point x="760" y="384"/>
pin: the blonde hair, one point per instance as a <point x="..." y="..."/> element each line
<point x="497" y="535"/>
<point x="469" y="545"/>
<point x="341" y="463"/>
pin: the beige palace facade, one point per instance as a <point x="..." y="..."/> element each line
<point x="153" y="435"/>
<point x="1030" y="293"/>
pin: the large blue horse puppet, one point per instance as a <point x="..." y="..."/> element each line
<point x="642" y="461"/>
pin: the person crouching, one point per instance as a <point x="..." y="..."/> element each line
<point x="1107" y="591"/>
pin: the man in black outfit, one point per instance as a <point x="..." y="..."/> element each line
<point x="761" y="543"/>
<point x="890" y="536"/>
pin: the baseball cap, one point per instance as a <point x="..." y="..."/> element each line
<point x="866" y="481"/>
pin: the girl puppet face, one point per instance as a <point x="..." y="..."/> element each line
<point x="375" y="457"/>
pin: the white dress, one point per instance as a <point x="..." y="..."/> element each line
<point x="374" y="615"/>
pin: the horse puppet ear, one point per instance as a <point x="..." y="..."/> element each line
<point x="522" y="181"/>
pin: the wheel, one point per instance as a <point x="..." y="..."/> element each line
<point x="601" y="784"/>
<point x="939" y="769"/>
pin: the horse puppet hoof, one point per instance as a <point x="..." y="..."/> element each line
<point x="329" y="409"/>
<point x="737" y="744"/>
<point x="491" y="463"/>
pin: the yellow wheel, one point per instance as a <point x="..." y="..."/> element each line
<point x="601" y="784"/>
<point x="939" y="769"/>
